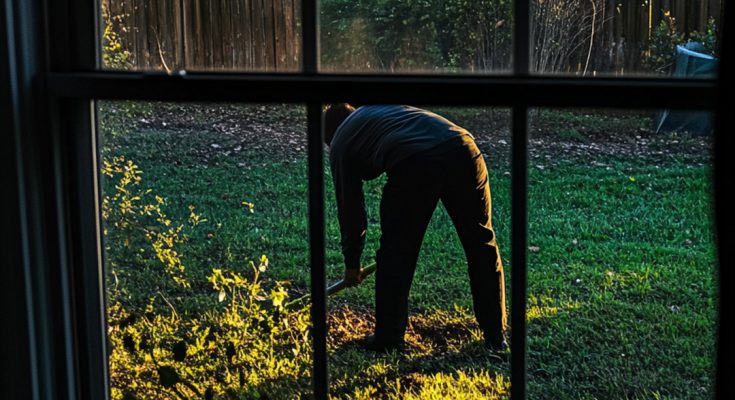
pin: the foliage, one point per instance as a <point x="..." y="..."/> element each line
<point x="477" y="34"/>
<point x="561" y="31"/>
<point x="375" y="34"/>
<point x="245" y="344"/>
<point x="136" y="225"/>
<point x="661" y="54"/>
<point x="416" y="34"/>
<point x="114" y="55"/>
<point x="708" y="38"/>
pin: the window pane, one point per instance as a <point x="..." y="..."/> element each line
<point x="626" y="38"/>
<point x="206" y="246"/>
<point x="416" y="36"/>
<point x="444" y="352"/>
<point x="201" y="35"/>
<point x="622" y="261"/>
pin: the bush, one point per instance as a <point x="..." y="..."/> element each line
<point x="708" y="38"/>
<point x="245" y="344"/>
<point x="114" y="55"/>
<point x="416" y="35"/>
<point x="661" y="54"/>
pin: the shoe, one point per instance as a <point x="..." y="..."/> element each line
<point x="379" y="346"/>
<point x="499" y="348"/>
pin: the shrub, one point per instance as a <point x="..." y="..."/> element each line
<point x="245" y="344"/>
<point x="114" y="55"/>
<point x="661" y="53"/>
<point x="416" y="34"/>
<point x="708" y="38"/>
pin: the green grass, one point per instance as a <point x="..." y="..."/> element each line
<point x="621" y="278"/>
<point x="632" y="249"/>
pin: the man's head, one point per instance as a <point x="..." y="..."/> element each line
<point x="334" y="115"/>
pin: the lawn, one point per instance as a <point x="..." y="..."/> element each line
<point x="622" y="300"/>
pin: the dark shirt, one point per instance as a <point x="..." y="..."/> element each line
<point x="372" y="140"/>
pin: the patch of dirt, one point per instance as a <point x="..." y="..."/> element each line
<point x="347" y="324"/>
<point x="570" y="135"/>
<point x="592" y="137"/>
<point x="443" y="331"/>
<point x="278" y="130"/>
<point x="435" y="332"/>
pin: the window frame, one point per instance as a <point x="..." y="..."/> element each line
<point x="64" y="81"/>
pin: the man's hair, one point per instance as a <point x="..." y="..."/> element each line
<point x="334" y="115"/>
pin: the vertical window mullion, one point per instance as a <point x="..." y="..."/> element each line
<point x="317" y="252"/>
<point x="310" y="54"/>
<point x="519" y="201"/>
<point x="309" y="36"/>
<point x="521" y="38"/>
<point x="76" y="121"/>
<point x="519" y="239"/>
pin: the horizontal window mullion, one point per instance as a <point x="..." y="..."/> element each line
<point x="446" y="90"/>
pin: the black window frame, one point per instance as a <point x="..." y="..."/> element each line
<point x="53" y="51"/>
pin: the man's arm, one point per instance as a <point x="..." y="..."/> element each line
<point x="351" y="213"/>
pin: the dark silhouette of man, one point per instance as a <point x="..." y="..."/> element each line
<point x="427" y="158"/>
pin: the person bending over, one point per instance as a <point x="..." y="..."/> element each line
<point x="427" y="158"/>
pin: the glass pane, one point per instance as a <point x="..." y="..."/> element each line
<point x="201" y="35"/>
<point x="206" y="250"/>
<point x="679" y="38"/>
<point x="444" y="352"/>
<point x="384" y="36"/>
<point x="622" y="257"/>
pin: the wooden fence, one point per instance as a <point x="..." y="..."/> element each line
<point x="265" y="35"/>
<point x="253" y="35"/>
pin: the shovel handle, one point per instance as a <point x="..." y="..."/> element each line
<point x="339" y="286"/>
<point x="336" y="288"/>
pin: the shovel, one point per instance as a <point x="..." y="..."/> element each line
<point x="335" y="288"/>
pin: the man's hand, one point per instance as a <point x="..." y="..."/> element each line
<point x="353" y="277"/>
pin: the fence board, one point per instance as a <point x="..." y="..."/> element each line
<point x="140" y="33"/>
<point x="278" y="39"/>
<point x="268" y="26"/>
<point x="217" y="22"/>
<point x="297" y="32"/>
<point x="258" y="34"/>
<point x="248" y="23"/>
<point x="288" y="21"/>
<point x="237" y="45"/>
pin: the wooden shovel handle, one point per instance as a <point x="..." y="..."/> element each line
<point x="339" y="286"/>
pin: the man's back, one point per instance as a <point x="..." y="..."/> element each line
<point x="375" y="138"/>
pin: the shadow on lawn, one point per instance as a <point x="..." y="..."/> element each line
<point x="444" y="356"/>
<point x="444" y="351"/>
